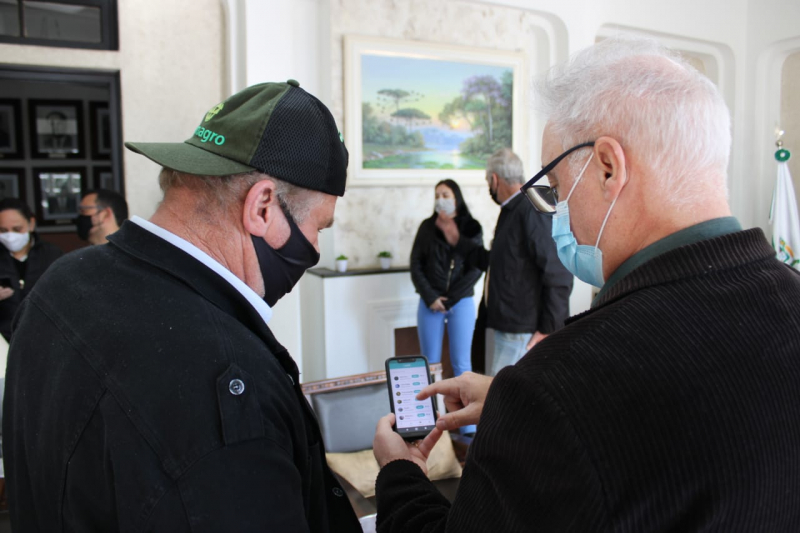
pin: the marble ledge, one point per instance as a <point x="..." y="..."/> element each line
<point x="328" y="273"/>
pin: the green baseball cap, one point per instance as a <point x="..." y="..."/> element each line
<point x="276" y="128"/>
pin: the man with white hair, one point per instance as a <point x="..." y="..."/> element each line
<point x="145" y="390"/>
<point x="672" y="404"/>
<point x="527" y="288"/>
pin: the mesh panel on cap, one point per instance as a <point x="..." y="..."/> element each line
<point x="298" y="145"/>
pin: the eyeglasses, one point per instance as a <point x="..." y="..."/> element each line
<point x="543" y="197"/>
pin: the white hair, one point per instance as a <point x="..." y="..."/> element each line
<point x="667" y="116"/>
<point x="507" y="165"/>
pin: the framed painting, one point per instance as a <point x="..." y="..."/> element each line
<point x="100" y="130"/>
<point x="58" y="193"/>
<point x="56" y="129"/>
<point x="12" y="183"/>
<point x="416" y="112"/>
<point x="10" y="129"/>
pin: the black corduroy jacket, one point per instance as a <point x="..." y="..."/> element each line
<point x="144" y="393"/>
<point x="672" y="405"/>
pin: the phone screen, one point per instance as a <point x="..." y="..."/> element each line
<point x="406" y="377"/>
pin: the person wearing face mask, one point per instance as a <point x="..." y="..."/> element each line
<point x="101" y="213"/>
<point x="672" y="403"/>
<point x="527" y="288"/>
<point x="444" y="283"/>
<point x="27" y="259"/>
<point x="145" y="389"/>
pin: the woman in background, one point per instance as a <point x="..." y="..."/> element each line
<point x="27" y="258"/>
<point x="444" y="283"/>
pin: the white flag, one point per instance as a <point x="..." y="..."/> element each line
<point x="784" y="219"/>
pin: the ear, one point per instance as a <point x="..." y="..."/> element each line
<point x="610" y="158"/>
<point x="32" y="223"/>
<point x="109" y="213"/>
<point x="260" y="199"/>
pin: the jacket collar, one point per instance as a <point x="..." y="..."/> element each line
<point x="700" y="258"/>
<point x="513" y="201"/>
<point x="155" y="251"/>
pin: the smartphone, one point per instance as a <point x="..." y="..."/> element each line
<point x="5" y="282"/>
<point x="405" y="377"/>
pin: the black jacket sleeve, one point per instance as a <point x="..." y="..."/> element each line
<point x="419" y="254"/>
<point x="556" y="280"/>
<point x="470" y="274"/>
<point x="475" y="255"/>
<point x="527" y="470"/>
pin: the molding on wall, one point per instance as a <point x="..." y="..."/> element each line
<point x="235" y="46"/>
<point x="551" y="32"/>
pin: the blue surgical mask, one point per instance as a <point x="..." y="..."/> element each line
<point x="584" y="261"/>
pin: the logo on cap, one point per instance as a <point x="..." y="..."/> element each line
<point x="213" y="112"/>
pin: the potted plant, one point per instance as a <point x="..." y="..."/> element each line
<point x="341" y="263"/>
<point x="386" y="259"/>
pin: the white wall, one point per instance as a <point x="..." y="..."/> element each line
<point x="790" y="114"/>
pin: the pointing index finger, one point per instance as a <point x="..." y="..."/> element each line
<point x="448" y="387"/>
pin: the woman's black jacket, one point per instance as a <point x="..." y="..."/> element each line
<point x="40" y="257"/>
<point x="436" y="269"/>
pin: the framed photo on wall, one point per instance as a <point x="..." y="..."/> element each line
<point x="12" y="183"/>
<point x="56" y="129"/>
<point x="58" y="193"/>
<point x="100" y="120"/>
<point x="103" y="178"/>
<point x="10" y="129"/>
<point x="416" y="112"/>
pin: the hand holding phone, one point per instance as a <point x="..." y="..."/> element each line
<point x="388" y="445"/>
<point x="406" y="377"/>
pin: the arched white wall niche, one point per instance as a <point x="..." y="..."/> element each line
<point x="768" y="115"/>
<point x="717" y="58"/>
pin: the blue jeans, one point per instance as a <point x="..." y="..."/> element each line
<point x="508" y="349"/>
<point x="460" y="320"/>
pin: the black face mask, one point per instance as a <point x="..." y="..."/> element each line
<point x="493" y="194"/>
<point x="283" y="268"/>
<point x="83" y="224"/>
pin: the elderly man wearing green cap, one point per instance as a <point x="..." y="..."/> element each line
<point x="168" y="404"/>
